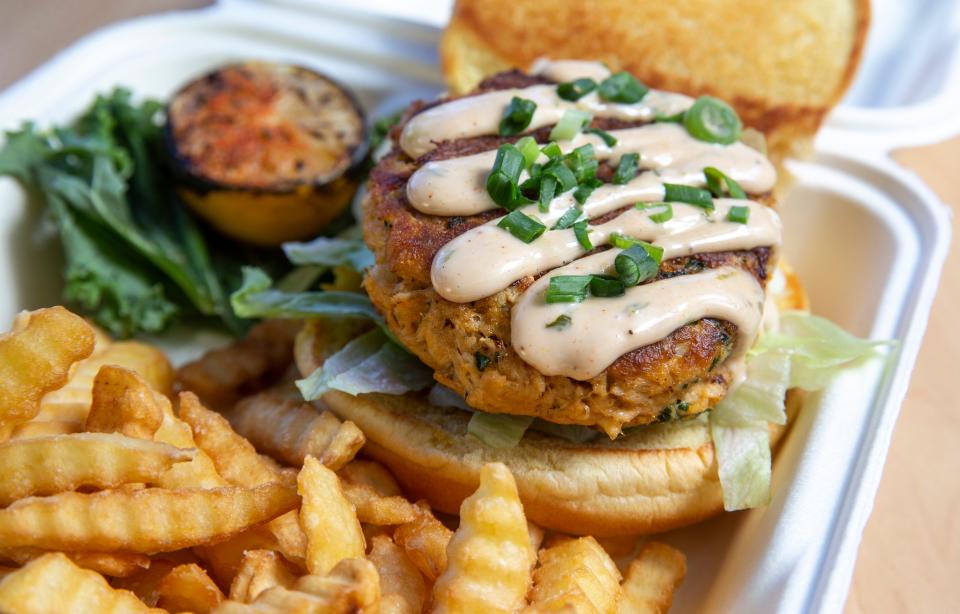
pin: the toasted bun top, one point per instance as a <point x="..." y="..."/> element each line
<point x="783" y="65"/>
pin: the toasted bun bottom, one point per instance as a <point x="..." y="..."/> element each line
<point x="654" y="479"/>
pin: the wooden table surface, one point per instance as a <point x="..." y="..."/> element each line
<point x="910" y="556"/>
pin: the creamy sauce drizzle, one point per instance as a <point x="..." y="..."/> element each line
<point x="457" y="186"/>
<point x="487" y="259"/>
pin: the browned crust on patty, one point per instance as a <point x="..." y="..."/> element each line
<point x="678" y="376"/>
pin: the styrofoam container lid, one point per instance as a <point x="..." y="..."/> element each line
<point x="867" y="238"/>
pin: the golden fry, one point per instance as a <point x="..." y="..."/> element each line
<point x="234" y="457"/>
<point x="489" y="558"/>
<point x="652" y="578"/>
<point x="224" y="559"/>
<point x="425" y="541"/>
<point x="290" y="430"/>
<point x="44" y="428"/>
<point x="37" y="358"/>
<point x="260" y="570"/>
<point x="122" y="402"/>
<point x="198" y="473"/>
<point x="49" y="465"/>
<point x="222" y="375"/>
<point x="188" y="588"/>
<point x="146" y="584"/>
<point x="353" y="585"/>
<point x="328" y="519"/>
<point x="52" y="583"/>
<point x="575" y="575"/>
<point x="375" y="509"/>
<point x="401" y="585"/>
<point x="146" y="520"/>
<point x="113" y="564"/>
<point x="291" y="541"/>
<point x="372" y="474"/>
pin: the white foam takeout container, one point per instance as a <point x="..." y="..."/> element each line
<point x="867" y="238"/>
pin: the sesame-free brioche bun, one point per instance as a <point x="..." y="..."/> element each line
<point x="782" y="65"/>
<point x="652" y="479"/>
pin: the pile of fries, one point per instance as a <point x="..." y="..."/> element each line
<point x="119" y="497"/>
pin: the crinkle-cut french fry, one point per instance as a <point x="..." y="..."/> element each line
<point x="37" y="358"/>
<point x="112" y="564"/>
<point x="651" y="579"/>
<point x="223" y="375"/>
<point x="72" y="402"/>
<point x="353" y="585"/>
<point x="425" y="541"/>
<point x="328" y="519"/>
<point x="290" y="430"/>
<point x="223" y="559"/>
<point x="188" y="588"/>
<point x="122" y="402"/>
<point x="146" y="520"/>
<point x="49" y="465"/>
<point x="260" y="570"/>
<point x="44" y="428"/>
<point x="489" y="558"/>
<point x="291" y="541"/>
<point x="146" y="584"/>
<point x="575" y="575"/>
<point x="52" y="583"/>
<point x="373" y="508"/>
<point x="401" y="585"/>
<point x="372" y="474"/>
<point x="235" y="458"/>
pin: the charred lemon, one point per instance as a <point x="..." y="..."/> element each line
<point x="264" y="151"/>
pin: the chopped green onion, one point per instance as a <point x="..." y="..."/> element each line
<point x="581" y="232"/>
<point x="577" y="89"/>
<point x="522" y="226"/>
<point x="532" y="185"/>
<point x="562" y="322"/>
<point x="717" y="181"/>
<point x="566" y="180"/>
<point x="606" y="286"/>
<point x="624" y="242"/>
<point x="676" y="118"/>
<point x="608" y="139"/>
<point x="712" y="120"/>
<point x="517" y="116"/>
<point x="676" y="193"/>
<point x="567" y="219"/>
<point x="582" y="163"/>
<point x="530" y="150"/>
<point x="738" y="214"/>
<point x="622" y="87"/>
<point x="482" y="360"/>
<point x="635" y="265"/>
<point x="502" y="180"/>
<point x="569" y="125"/>
<point x="627" y="168"/>
<point x="584" y="190"/>
<point x="548" y="189"/>
<point x="552" y="150"/>
<point x="663" y="216"/>
<point x="568" y="288"/>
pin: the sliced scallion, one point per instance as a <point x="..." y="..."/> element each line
<point x="585" y="189"/>
<point x="582" y="163"/>
<point x="676" y="118"/>
<point x="662" y="216"/>
<point x="627" y="168"/>
<point x="622" y="87"/>
<point x="635" y="265"/>
<point x="624" y="242"/>
<point x="517" y="116"/>
<point x="738" y="214"/>
<point x="606" y="286"/>
<point x="562" y="322"/>
<point x="581" y="232"/>
<point x="567" y="219"/>
<point x="548" y="189"/>
<point x="552" y="150"/>
<point x="677" y="193"/>
<point x="577" y="89"/>
<point x="566" y="180"/>
<point x="718" y="183"/>
<point x="522" y="226"/>
<point x="569" y="125"/>
<point x="608" y="139"/>
<point x="502" y="180"/>
<point x="568" y="288"/>
<point x="712" y="120"/>
<point x="530" y="150"/>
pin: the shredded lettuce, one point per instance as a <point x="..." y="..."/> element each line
<point x="369" y="363"/>
<point x="498" y="430"/>
<point x="806" y="352"/>
<point x="330" y="252"/>
<point x="256" y="299"/>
